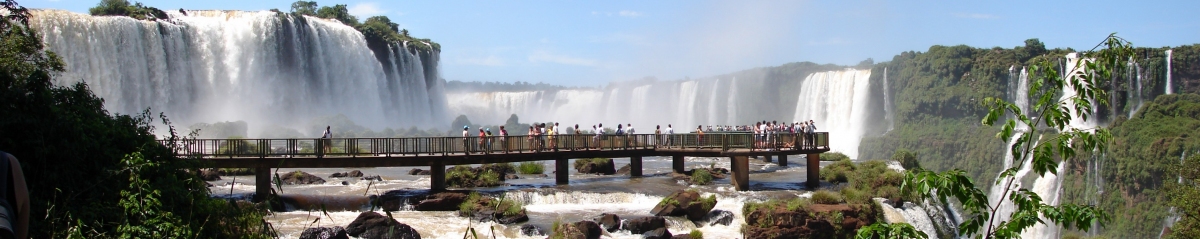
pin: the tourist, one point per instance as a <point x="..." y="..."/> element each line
<point x="481" y="140"/>
<point x="504" y="139"/>
<point x="658" y="134"/>
<point x="326" y="142"/>
<point x="529" y="137"/>
<point x="812" y="136"/>
<point x="630" y="133"/>
<point x="700" y="135"/>
<point x="466" y="139"/>
<point x="670" y="131"/>
<point x="575" y="138"/>
<point x="489" y="139"/>
<point x="542" y="136"/>
<point x="595" y="136"/>
<point x="554" y="140"/>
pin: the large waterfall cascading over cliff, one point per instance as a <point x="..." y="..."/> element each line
<point x="837" y="101"/>
<point x="1168" y="89"/>
<point x="261" y="67"/>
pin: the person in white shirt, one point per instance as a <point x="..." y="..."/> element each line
<point x="670" y="131"/>
<point x="326" y="142"/>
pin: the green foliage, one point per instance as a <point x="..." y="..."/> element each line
<point x="462" y="176"/>
<point x="305" y="8"/>
<point x="81" y="181"/>
<point x="123" y="8"/>
<point x="826" y="197"/>
<point x="696" y="234"/>
<point x="834" y="156"/>
<point x="889" y="231"/>
<point x="1048" y="112"/>
<point x="907" y="159"/>
<point x="798" y="203"/>
<point x="708" y="202"/>
<point x="531" y="168"/>
<point x="701" y="177"/>
<point x="1184" y="195"/>
<point x="338" y="12"/>
<point x="579" y="163"/>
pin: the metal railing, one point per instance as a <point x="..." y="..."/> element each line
<point x="356" y="147"/>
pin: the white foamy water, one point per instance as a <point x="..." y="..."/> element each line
<point x="261" y="67"/>
<point x="1169" y="90"/>
<point x="837" y="102"/>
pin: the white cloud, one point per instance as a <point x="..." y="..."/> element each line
<point x="483" y="61"/>
<point x="974" y="15"/>
<point x="542" y="56"/>
<point x="366" y="9"/>
<point x="628" y="13"/>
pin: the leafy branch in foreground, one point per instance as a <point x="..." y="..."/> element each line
<point x="1062" y="100"/>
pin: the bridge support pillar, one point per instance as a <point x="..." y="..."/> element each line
<point x="262" y="183"/>
<point x="437" y="176"/>
<point x="740" y="168"/>
<point x="766" y="158"/>
<point x="561" y="171"/>
<point x="635" y="166"/>
<point x="814" y="171"/>
<point x="677" y="163"/>
<point x="783" y="160"/>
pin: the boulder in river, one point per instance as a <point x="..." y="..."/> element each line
<point x="336" y="232"/>
<point x="372" y="225"/>
<point x="660" y="233"/>
<point x="595" y="166"/>
<point x="300" y="177"/>
<point x="210" y="174"/>
<point x="417" y="171"/>
<point x="580" y="230"/>
<point x="685" y="203"/>
<point x="443" y="201"/>
<point x="531" y="230"/>
<point x="718" y="217"/>
<point x="610" y="222"/>
<point x="644" y="224"/>
<point x="351" y="174"/>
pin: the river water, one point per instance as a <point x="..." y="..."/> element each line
<point x="586" y="197"/>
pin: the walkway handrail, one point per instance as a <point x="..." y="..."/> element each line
<point x="417" y="146"/>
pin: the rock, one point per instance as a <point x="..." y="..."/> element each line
<point x="718" y="217"/>
<point x="510" y="219"/>
<point x="417" y="171"/>
<point x="210" y="174"/>
<point x="371" y="225"/>
<point x="674" y="204"/>
<point x="372" y="178"/>
<point x="543" y="176"/>
<point x="644" y="224"/>
<point x="578" y="230"/>
<point x="511" y="176"/>
<point x="531" y="230"/>
<point x="590" y="229"/>
<point x="300" y="177"/>
<point x="660" y="233"/>
<point x="485" y="210"/>
<point x="345" y="183"/>
<point x="604" y="167"/>
<point x="444" y="201"/>
<point x="610" y="222"/>
<point x="814" y="221"/>
<point x="336" y="232"/>
<point x="351" y="174"/>
<point x="624" y="170"/>
<point x="696" y="211"/>
<point x="682" y="236"/>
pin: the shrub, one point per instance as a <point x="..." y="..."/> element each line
<point x="798" y="203"/>
<point x="826" y="197"/>
<point x="907" y="159"/>
<point x="701" y="177"/>
<point x="853" y="195"/>
<point x="531" y="168"/>
<point x="708" y="202"/>
<point x="695" y="234"/>
<point x="468" y="206"/>
<point x="834" y="156"/>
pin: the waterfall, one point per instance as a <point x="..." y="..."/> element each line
<point x="1168" y="89"/>
<point x="1135" y="94"/>
<point x="261" y="67"/>
<point x="887" y="103"/>
<point x="837" y="102"/>
<point x="1172" y="215"/>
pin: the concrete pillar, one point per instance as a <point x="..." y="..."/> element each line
<point x="437" y="176"/>
<point x="766" y="158"/>
<point x="783" y="160"/>
<point x="262" y="183"/>
<point x="814" y="171"/>
<point x="635" y="166"/>
<point x="740" y="168"/>
<point x="561" y="171"/>
<point x="677" y="163"/>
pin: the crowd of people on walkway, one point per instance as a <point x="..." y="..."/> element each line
<point x="767" y="135"/>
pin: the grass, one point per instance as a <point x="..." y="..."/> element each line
<point x="531" y="168"/>
<point x="826" y="197"/>
<point x="468" y="206"/>
<point x="696" y="234"/>
<point x="702" y="177"/>
<point x="834" y="156"/>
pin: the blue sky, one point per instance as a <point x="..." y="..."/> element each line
<point x="578" y="43"/>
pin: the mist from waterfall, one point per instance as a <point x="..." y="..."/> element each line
<point x="261" y="67"/>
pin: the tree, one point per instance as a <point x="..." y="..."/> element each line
<point x="339" y="12"/>
<point x="1050" y="112"/>
<point x="111" y="7"/>
<point x="305" y="8"/>
<point x="1184" y="195"/>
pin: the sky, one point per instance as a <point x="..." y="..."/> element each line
<point x="591" y="43"/>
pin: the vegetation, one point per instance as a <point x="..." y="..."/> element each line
<point x="579" y="163"/>
<point x="834" y="156"/>
<point x="696" y="234"/>
<point x="1044" y="154"/>
<point x="489" y="175"/>
<point x="377" y="29"/>
<point x="123" y="8"/>
<point x="91" y="174"/>
<point x="1184" y="195"/>
<point x="1137" y="169"/>
<point x="866" y="180"/>
<point x="907" y="159"/>
<point x="702" y="177"/>
<point x="531" y="168"/>
<point x="826" y="197"/>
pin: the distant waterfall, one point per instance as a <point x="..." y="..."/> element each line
<point x="887" y="102"/>
<point x="261" y="67"/>
<point x="1169" y="90"/>
<point x="1135" y="94"/>
<point x="837" y="102"/>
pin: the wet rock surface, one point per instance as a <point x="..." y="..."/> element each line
<point x="300" y="177"/>
<point x="336" y="232"/>
<point x="372" y="225"/>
